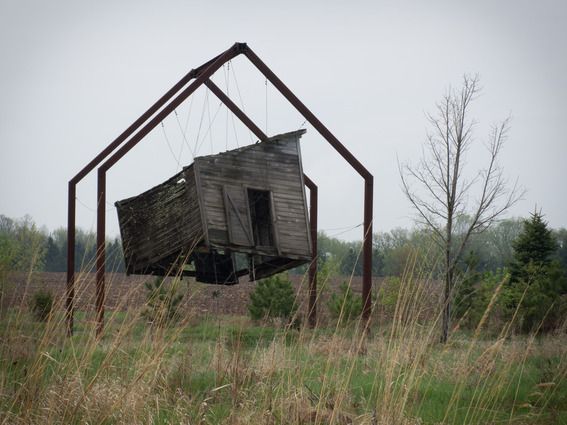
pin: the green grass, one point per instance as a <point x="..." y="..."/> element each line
<point x="232" y="370"/>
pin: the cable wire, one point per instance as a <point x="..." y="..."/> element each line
<point x="184" y="138"/>
<point x="169" y="146"/>
<point x="266" y="84"/>
<point x="342" y="232"/>
<point x="241" y="101"/>
<point x="209" y="129"/>
<point x="227" y="84"/>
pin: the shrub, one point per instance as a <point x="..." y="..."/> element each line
<point x="473" y="296"/>
<point x="388" y="294"/>
<point x="42" y="305"/>
<point x="273" y="298"/>
<point x="162" y="305"/>
<point x="344" y="305"/>
<point x="539" y="300"/>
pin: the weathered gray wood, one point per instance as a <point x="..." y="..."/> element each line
<point x="161" y="222"/>
<point x="207" y="206"/>
<point x="238" y="220"/>
<point x="273" y="166"/>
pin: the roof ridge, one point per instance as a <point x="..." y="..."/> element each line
<point x="288" y="135"/>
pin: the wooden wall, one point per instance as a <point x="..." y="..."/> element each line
<point x="274" y="165"/>
<point x="160" y="223"/>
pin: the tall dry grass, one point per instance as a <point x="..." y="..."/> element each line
<point x="230" y="370"/>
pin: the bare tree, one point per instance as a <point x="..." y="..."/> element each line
<point x="441" y="192"/>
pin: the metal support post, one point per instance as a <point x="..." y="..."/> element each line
<point x="313" y="195"/>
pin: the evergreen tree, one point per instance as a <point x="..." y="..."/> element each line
<point x="535" y="246"/>
<point x="344" y="305"/>
<point x="52" y="256"/>
<point x="272" y="298"/>
<point x="538" y="284"/>
<point x="561" y="236"/>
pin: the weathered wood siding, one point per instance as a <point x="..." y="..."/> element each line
<point x="160" y="222"/>
<point x="274" y="165"/>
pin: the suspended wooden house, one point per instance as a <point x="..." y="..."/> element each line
<point x="240" y="212"/>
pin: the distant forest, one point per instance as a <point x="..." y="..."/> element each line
<point x="25" y="246"/>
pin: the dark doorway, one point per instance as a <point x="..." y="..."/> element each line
<point x="259" y="202"/>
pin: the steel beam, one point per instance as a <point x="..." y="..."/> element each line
<point x="71" y="207"/>
<point x="312" y="309"/>
<point x="367" y="249"/>
<point x="313" y="195"/>
<point x="236" y="110"/>
<point x="350" y="158"/>
<point x="70" y="292"/>
<point x="123" y="150"/>
<point x="202" y="74"/>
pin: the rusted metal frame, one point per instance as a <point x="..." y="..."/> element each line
<point x="71" y="207"/>
<point x="367" y="249"/>
<point x="313" y="194"/>
<point x="312" y="309"/>
<point x="202" y="76"/>
<point x="70" y="290"/>
<point x="100" y="253"/>
<point x="350" y="158"/>
<point x="236" y="110"/>
<point x="236" y="49"/>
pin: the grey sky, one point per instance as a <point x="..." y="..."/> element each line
<point x="74" y="75"/>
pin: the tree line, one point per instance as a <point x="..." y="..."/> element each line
<point x="520" y="260"/>
<point x="26" y="247"/>
<point x="491" y="250"/>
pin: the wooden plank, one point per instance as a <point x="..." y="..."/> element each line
<point x="156" y="224"/>
<point x="274" y="167"/>
<point x="238" y="220"/>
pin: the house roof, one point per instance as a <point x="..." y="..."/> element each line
<point x="180" y="174"/>
<point x="288" y="135"/>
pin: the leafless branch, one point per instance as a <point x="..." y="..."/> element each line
<point x="441" y="179"/>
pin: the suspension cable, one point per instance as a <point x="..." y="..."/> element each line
<point x="343" y="231"/>
<point x="241" y="101"/>
<point x="205" y="98"/>
<point x="227" y="85"/>
<point x="184" y="138"/>
<point x="266" y="84"/>
<point x="169" y="146"/>
<point x="208" y="131"/>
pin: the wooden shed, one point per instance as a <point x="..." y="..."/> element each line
<point x="239" y="212"/>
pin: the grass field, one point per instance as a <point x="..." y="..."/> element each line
<point x="228" y="369"/>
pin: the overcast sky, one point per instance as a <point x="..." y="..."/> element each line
<point x="75" y="74"/>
